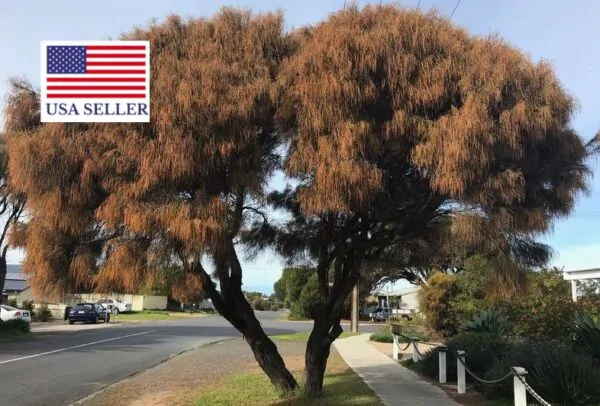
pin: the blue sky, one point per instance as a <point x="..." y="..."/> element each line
<point x="550" y="29"/>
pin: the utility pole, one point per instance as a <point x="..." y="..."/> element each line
<point x="354" y="311"/>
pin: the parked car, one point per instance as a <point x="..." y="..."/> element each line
<point x="380" y="314"/>
<point x="89" y="312"/>
<point x="115" y="305"/>
<point x="12" y="313"/>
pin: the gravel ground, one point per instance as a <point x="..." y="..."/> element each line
<point x="179" y="380"/>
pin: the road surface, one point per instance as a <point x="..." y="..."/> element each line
<point x="59" y="368"/>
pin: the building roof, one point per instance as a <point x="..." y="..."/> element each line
<point x="15" y="280"/>
<point x="580" y="274"/>
<point x="15" y="285"/>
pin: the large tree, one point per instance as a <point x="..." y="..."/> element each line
<point x="402" y="126"/>
<point x="398" y="126"/>
<point x="114" y="204"/>
<point x="20" y="116"/>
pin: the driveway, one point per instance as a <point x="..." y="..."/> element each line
<point x="58" y="368"/>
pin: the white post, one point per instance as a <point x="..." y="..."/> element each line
<point x="461" y="384"/>
<point x="442" y="363"/>
<point x="395" y="352"/>
<point x="574" y="290"/>
<point x="415" y="354"/>
<point x="519" y="389"/>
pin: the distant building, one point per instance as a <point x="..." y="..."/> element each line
<point x="15" y="282"/>
<point x="403" y="300"/>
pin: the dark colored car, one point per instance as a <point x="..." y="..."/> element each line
<point x="88" y="312"/>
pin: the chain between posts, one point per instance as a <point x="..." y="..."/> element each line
<point x="485" y="381"/>
<point x="402" y="349"/>
<point x="531" y="391"/>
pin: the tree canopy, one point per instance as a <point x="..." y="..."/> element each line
<point x="400" y="129"/>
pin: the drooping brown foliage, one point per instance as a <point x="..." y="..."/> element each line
<point x="112" y="204"/>
<point x="402" y="129"/>
<point x="405" y="126"/>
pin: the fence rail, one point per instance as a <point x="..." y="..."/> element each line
<point x="520" y="386"/>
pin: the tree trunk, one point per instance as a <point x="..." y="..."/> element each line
<point x="317" y="353"/>
<point x="268" y="358"/>
<point x="233" y="306"/>
<point x="2" y="274"/>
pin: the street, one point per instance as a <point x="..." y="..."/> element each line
<point x="59" y="368"/>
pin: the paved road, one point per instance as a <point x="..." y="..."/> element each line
<point x="57" y="369"/>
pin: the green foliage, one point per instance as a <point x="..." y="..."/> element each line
<point x="587" y="335"/>
<point x="42" y="314"/>
<point x="382" y="335"/>
<point x="309" y="296"/>
<point x="557" y="372"/>
<point x="27" y="305"/>
<point x="288" y="288"/>
<point x="12" y="302"/>
<point x="481" y="351"/>
<point x="547" y="310"/>
<point x="257" y="304"/>
<point x="471" y="288"/>
<point x="490" y="321"/>
<point x="434" y="302"/>
<point x="14" y="325"/>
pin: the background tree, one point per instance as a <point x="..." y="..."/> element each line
<point x="401" y="126"/>
<point x="112" y="204"/>
<point x="21" y="115"/>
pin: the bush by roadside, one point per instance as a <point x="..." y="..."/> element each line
<point x="12" y="328"/>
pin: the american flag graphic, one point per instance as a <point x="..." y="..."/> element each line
<point x="97" y="71"/>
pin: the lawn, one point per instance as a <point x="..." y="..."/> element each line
<point x="304" y="336"/>
<point x="150" y="315"/>
<point x="341" y="387"/>
<point x="252" y="388"/>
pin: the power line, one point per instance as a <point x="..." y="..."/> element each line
<point x="455" y="7"/>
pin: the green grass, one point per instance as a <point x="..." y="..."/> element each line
<point x="304" y="336"/>
<point x="340" y="387"/>
<point x="149" y="315"/>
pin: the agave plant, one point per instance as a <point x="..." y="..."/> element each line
<point x="488" y="321"/>
<point x="587" y="335"/>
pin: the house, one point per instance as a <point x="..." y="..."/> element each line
<point x="15" y="282"/>
<point x="579" y="275"/>
<point x="401" y="301"/>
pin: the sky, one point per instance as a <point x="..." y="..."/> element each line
<point x="554" y="30"/>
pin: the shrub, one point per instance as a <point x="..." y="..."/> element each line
<point x="15" y="325"/>
<point x="42" y="314"/>
<point x="481" y="351"/>
<point x="490" y="321"/>
<point x="27" y="305"/>
<point x="257" y="304"/>
<point x="587" y="335"/>
<point x="547" y="311"/>
<point x="434" y="302"/>
<point x="557" y="372"/>
<point x="274" y="308"/>
<point x="12" y="302"/>
<point x="382" y="335"/>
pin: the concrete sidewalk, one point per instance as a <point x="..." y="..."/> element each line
<point x="394" y="384"/>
